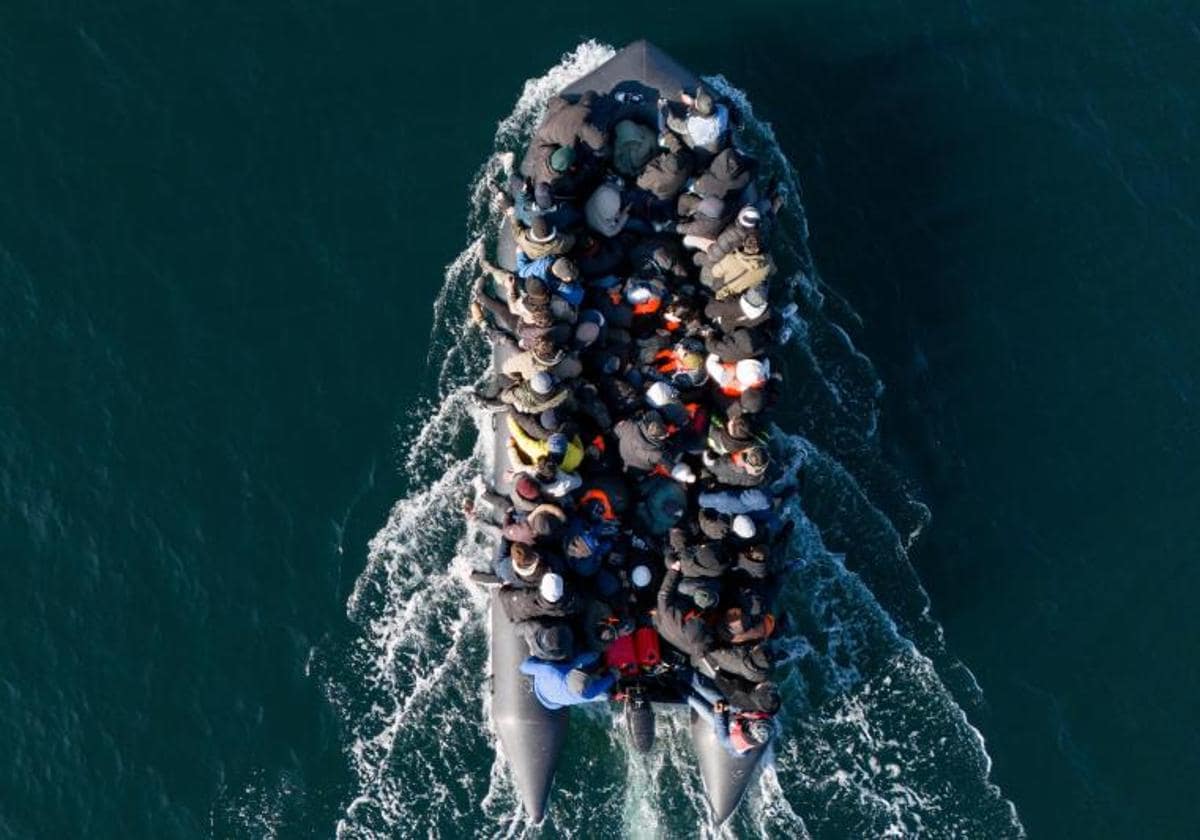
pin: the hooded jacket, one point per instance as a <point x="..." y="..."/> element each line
<point x="726" y="470"/>
<point x="664" y="176"/>
<point x="738" y="660"/>
<point x="729" y="173"/>
<point x="533" y="448"/>
<point x="566" y="124"/>
<point x="637" y="452"/>
<point x="523" y="398"/>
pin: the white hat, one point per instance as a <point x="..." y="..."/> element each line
<point x="541" y="382"/>
<point x="743" y="526"/>
<point x="752" y="303"/>
<point x="751" y="372"/>
<point x="660" y="394"/>
<point x="640" y="577"/>
<point x="748" y="217"/>
<point x="551" y="587"/>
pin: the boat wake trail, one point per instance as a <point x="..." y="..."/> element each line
<point x="874" y="742"/>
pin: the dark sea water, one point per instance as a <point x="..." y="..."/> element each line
<point x="233" y="435"/>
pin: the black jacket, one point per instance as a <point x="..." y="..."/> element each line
<point x="637" y="452"/>
<point x="523" y="604"/>
<point x="670" y="617"/>
<point x="728" y="315"/>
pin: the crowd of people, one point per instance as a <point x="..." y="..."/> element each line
<point x="638" y="532"/>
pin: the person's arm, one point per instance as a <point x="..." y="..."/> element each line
<point x="528" y="267"/>
<point x="586" y="659"/>
<point x="600" y="687"/>
<point x="531" y="448"/>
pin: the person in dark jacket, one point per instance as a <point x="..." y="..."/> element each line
<point x="567" y="124"/>
<point x="737" y="344"/>
<point x="750" y="662"/>
<point x="748" y="696"/>
<point x="749" y="309"/>
<point x="748" y="221"/>
<point x="742" y="468"/>
<point x="726" y="176"/>
<point x="704" y="559"/>
<point x="552" y="641"/>
<point x="549" y="600"/>
<point x="677" y="619"/>
<point x="664" y="177"/>
<point x="643" y="442"/>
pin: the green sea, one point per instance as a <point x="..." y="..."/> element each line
<point x="234" y="433"/>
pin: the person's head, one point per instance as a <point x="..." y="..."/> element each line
<point x="543" y="348"/>
<point x="743" y="527"/>
<point x="704" y="592"/>
<point x="536" y="292"/>
<point x="640" y="576"/>
<point x="766" y="697"/>
<point x="542" y="196"/>
<point x="750" y="373"/>
<point x="527" y="489"/>
<point x="752" y="244"/>
<point x="545" y="468"/>
<point x="703" y="101"/>
<point x="587" y="332"/>
<point x="541" y="316"/>
<point x="653" y="426"/>
<point x="557" y="445"/>
<point x="739" y="427"/>
<point x="562" y="158"/>
<point x="749" y="217"/>
<point x="546" y="520"/>
<point x="661" y="394"/>
<point x="711" y="208"/>
<point x="753" y="302"/>
<point x="755" y="459"/>
<point x="565" y="270"/>
<point x="553" y="642"/>
<point x="552" y="589"/>
<point x="540" y="230"/>
<point x="541" y="383"/>
<point x="525" y="560"/>
<point x="578" y="681"/>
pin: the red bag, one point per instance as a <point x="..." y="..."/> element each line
<point x="645" y="644"/>
<point x="622" y="655"/>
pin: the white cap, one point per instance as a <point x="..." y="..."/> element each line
<point x="638" y="294"/>
<point x="541" y="382"/>
<point x="752" y="305"/>
<point x="551" y="587"/>
<point x="748" y="216"/>
<point x="640" y="577"/>
<point x="743" y="526"/>
<point x="751" y="372"/>
<point x="660" y="394"/>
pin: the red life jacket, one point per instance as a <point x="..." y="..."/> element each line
<point x="648" y="307"/>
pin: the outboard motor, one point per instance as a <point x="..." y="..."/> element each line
<point x="639" y="719"/>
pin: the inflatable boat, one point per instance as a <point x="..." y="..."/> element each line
<point x="532" y="737"/>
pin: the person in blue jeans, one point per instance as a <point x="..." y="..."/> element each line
<point x="560" y="684"/>
<point x="737" y="732"/>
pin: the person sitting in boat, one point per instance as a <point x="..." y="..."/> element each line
<point x="540" y="392"/>
<point x="739" y="270"/>
<point x="726" y="177"/>
<point x="702" y="558"/>
<point x="702" y="122"/>
<point x="749" y="309"/>
<point x="550" y="599"/>
<point x="738" y="732"/>
<point x="560" y="684"/>
<point x="606" y="210"/>
<point x="543" y="355"/>
<point x="547" y="640"/>
<point x="569" y="123"/>
<point x="742" y="384"/>
<point x="644" y="447"/>
<point x="552" y="481"/>
<point x="679" y="620"/>
<point x="751" y="662"/>
<point x="700" y="220"/>
<point x="749" y="220"/>
<point x="567" y="452"/>
<point x="740" y="468"/>
<point x="541" y="239"/>
<point x="663" y="178"/>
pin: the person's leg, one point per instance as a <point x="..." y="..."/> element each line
<point x="501" y="315"/>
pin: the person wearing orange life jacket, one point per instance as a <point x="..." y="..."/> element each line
<point x="682" y="363"/>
